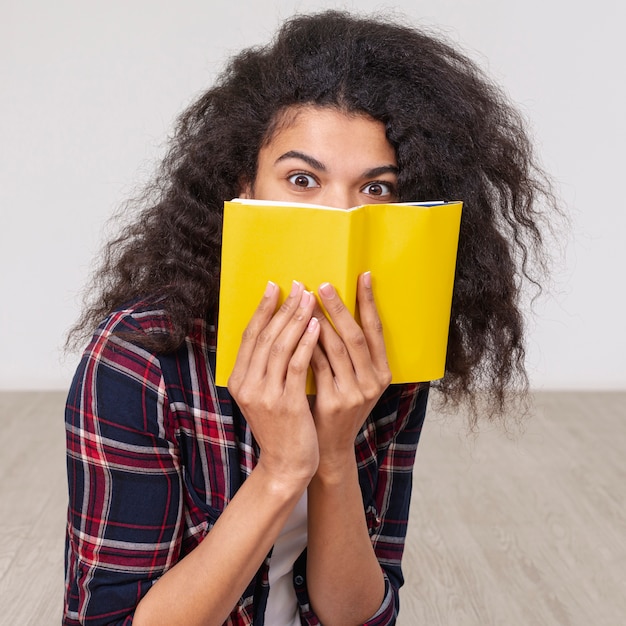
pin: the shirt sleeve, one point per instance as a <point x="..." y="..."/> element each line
<point x="125" y="505"/>
<point x="389" y="513"/>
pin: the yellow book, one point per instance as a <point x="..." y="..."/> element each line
<point x="410" y="249"/>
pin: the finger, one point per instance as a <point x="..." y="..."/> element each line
<point x="323" y="372"/>
<point x="348" y="344"/>
<point x="285" y="344"/>
<point x="329" y="340"/>
<point x="298" y="366"/>
<point x="332" y="353"/>
<point x="265" y="334"/>
<point x="370" y="322"/>
<point x="261" y="317"/>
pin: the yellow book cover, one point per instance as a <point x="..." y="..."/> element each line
<point x="410" y="249"/>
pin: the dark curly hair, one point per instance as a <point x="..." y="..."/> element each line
<point x="455" y="135"/>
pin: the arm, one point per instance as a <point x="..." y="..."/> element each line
<point x="268" y="383"/>
<point x="395" y="425"/>
<point x="203" y="587"/>
<point x="133" y="480"/>
<point x="388" y="506"/>
<point x="345" y="581"/>
<point x="123" y="473"/>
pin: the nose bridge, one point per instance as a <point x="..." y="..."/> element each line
<point x="340" y="195"/>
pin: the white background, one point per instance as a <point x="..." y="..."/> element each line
<point x="90" y="90"/>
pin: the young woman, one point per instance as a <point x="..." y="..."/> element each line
<point x="194" y="504"/>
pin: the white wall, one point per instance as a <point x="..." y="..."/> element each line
<point x="89" y="92"/>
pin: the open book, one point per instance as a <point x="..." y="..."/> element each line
<point x="410" y="249"/>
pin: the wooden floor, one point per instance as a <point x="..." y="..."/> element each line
<point x="527" y="531"/>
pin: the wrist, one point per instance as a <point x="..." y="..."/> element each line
<point x="282" y="483"/>
<point x="337" y="468"/>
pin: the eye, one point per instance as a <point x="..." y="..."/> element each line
<point x="304" y="181"/>
<point x="379" y="189"/>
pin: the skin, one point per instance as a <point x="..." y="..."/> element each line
<point x="328" y="157"/>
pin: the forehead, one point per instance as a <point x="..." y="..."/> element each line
<point x="329" y="133"/>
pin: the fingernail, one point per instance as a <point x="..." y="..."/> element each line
<point x="367" y="279"/>
<point x="269" y="288"/>
<point x="327" y="290"/>
<point x="305" y="299"/>
<point x="295" y="285"/>
<point x="311" y="326"/>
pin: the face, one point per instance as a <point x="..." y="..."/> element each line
<point x="324" y="156"/>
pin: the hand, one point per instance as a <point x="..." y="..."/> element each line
<point x="268" y="382"/>
<point x="351" y="372"/>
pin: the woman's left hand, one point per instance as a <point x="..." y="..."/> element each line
<point x="351" y="372"/>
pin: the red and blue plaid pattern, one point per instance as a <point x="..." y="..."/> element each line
<point x="155" y="452"/>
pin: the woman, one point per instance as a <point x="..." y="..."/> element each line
<point x="192" y="504"/>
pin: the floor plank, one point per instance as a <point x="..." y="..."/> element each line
<point x="33" y="501"/>
<point x="522" y="531"/>
<point x="503" y="530"/>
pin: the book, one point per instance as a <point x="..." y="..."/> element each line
<point x="410" y="249"/>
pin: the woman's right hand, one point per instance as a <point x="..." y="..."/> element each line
<point x="268" y="382"/>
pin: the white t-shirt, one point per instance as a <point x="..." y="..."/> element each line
<point x="282" y="605"/>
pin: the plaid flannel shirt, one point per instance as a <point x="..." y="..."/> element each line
<point x="155" y="451"/>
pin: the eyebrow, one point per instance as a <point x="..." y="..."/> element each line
<point x="318" y="165"/>
<point x="296" y="154"/>
<point x="382" y="169"/>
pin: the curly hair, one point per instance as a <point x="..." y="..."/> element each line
<point x="456" y="137"/>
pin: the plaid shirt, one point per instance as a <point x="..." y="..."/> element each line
<point x="155" y="451"/>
